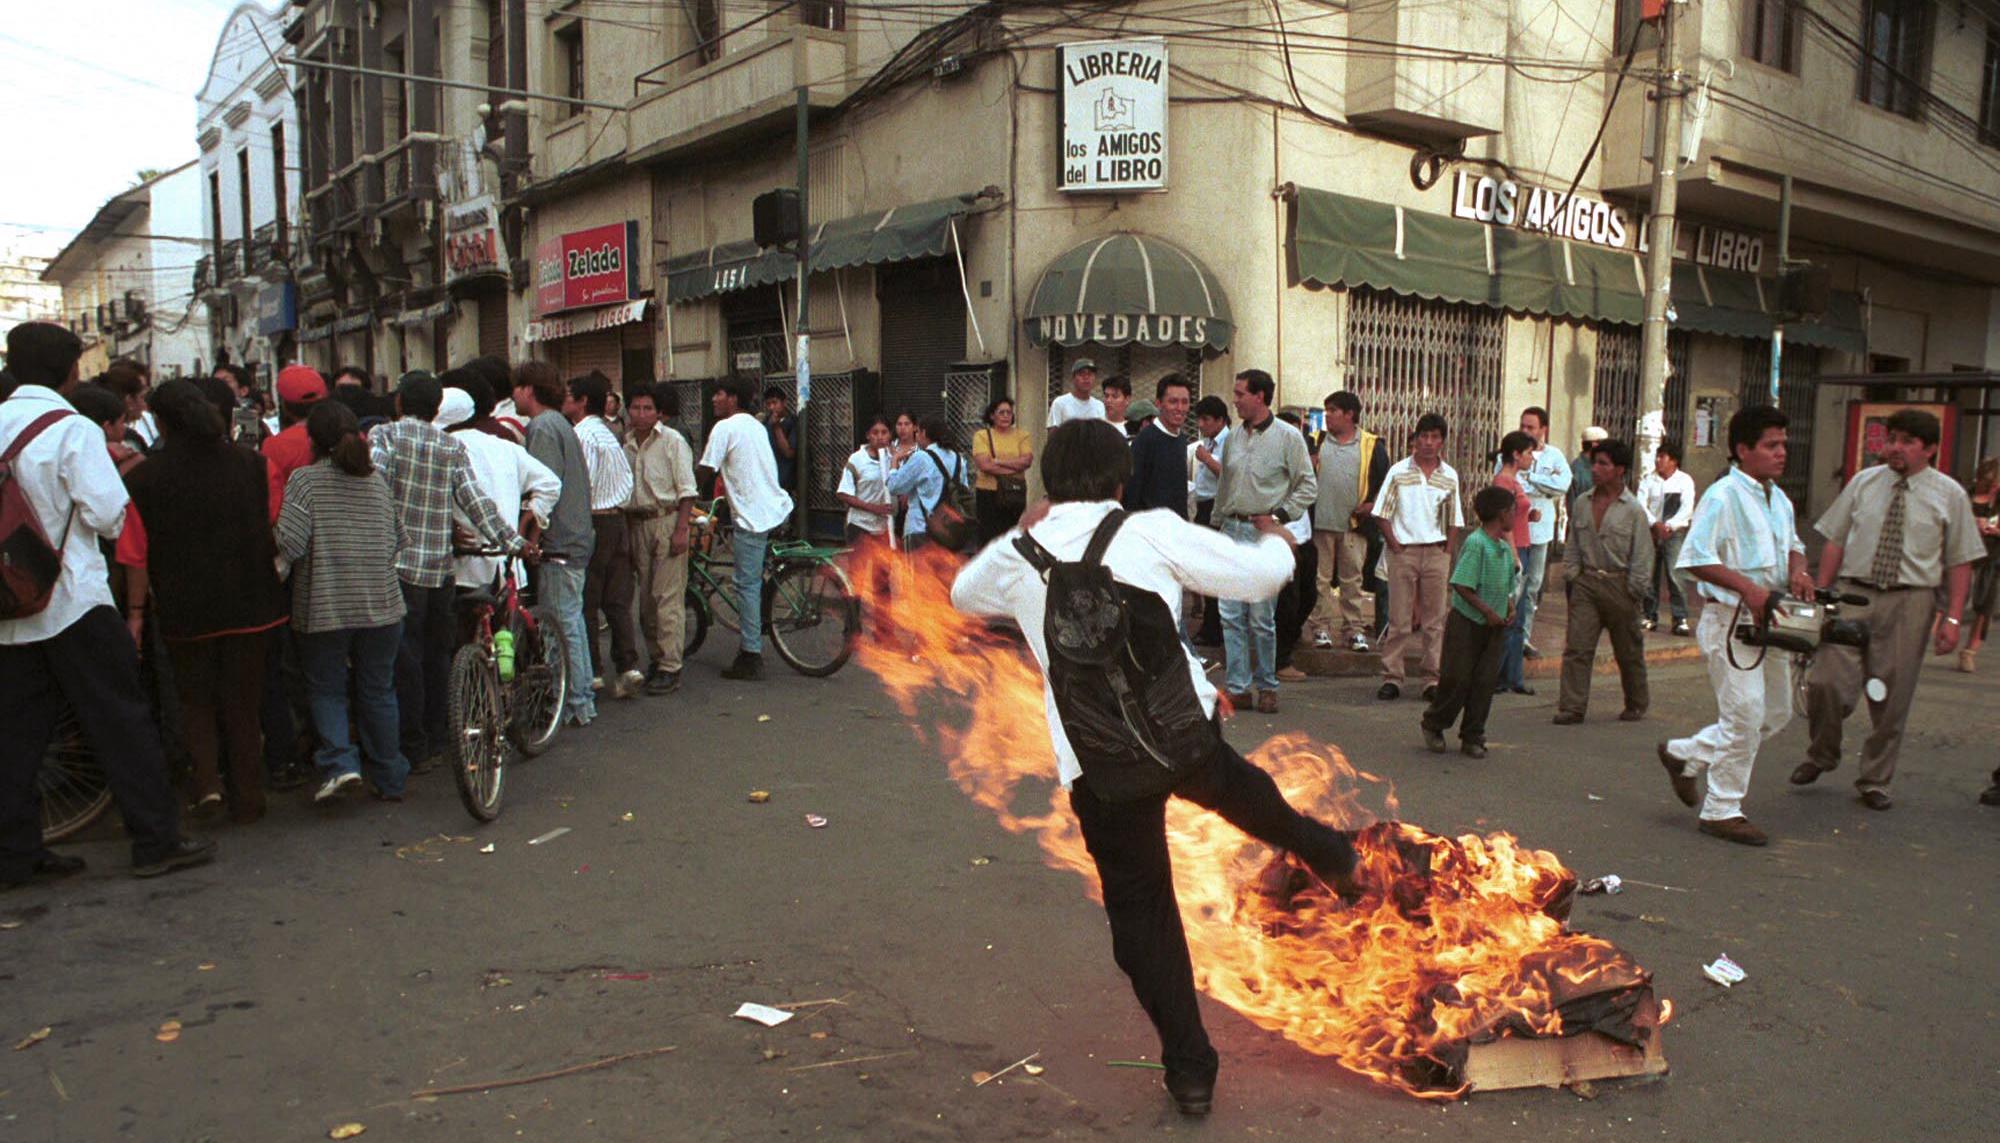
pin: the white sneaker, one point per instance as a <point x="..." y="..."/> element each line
<point x="337" y="785"/>
<point x="628" y="684"/>
<point x="597" y="682"/>
<point x="1357" y="642"/>
<point x="1323" y="641"/>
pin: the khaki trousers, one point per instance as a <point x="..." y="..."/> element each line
<point x="662" y="582"/>
<point x="1340" y="558"/>
<point x="1899" y="627"/>
<point x="1417" y="604"/>
<point x="1598" y="603"/>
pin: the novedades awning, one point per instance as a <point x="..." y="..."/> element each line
<point x="1340" y="240"/>
<point x="900" y="234"/>
<point x="1129" y="289"/>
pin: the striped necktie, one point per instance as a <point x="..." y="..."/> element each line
<point x="1888" y="567"/>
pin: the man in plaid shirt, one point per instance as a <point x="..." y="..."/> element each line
<point x="428" y="474"/>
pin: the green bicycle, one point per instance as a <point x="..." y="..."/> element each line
<point x="810" y="610"/>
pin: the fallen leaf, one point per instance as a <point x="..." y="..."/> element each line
<point x="763" y="718"/>
<point x="346" y="1131"/>
<point x="760" y="796"/>
<point x="818" y="1036"/>
<point x="982" y="861"/>
<point x="169" y="1032"/>
<point x="1033" y="1069"/>
<point x="981" y="1077"/>
<point x="626" y="816"/>
<point x="9" y="925"/>
<point x="33" y="1038"/>
<point x="205" y="966"/>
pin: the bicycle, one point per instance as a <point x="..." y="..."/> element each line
<point x="810" y="610"/>
<point x="506" y="693"/>
<point x="74" y="790"/>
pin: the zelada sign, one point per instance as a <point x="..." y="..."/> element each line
<point x="587" y="268"/>
<point x="1113" y="96"/>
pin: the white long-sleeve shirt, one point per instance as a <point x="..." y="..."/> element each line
<point x="1653" y="493"/>
<point x="69" y="480"/>
<point x="506" y="473"/>
<point x="604" y="458"/>
<point x="1155" y="550"/>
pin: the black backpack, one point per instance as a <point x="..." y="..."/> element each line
<point x="952" y="521"/>
<point x="1119" y="674"/>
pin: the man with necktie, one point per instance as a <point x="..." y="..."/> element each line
<point x="1896" y="531"/>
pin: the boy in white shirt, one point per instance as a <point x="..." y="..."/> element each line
<point x="1084" y="467"/>
<point x="1667" y="494"/>
<point x="1077" y="404"/>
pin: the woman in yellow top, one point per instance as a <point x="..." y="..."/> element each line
<point x="1002" y="453"/>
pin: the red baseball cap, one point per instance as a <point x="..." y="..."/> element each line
<point x="300" y="385"/>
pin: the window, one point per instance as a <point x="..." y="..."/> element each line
<point x="243" y="201"/>
<point x="828" y="14"/>
<point x="569" y="50"/>
<point x="1771" y="33"/>
<point x="707" y="20"/>
<point x="395" y="95"/>
<point x="1895" y="54"/>
<point x="496" y="67"/>
<point x="215" y="219"/>
<point x="278" y="182"/>
<point x="1989" y="90"/>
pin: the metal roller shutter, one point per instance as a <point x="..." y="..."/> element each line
<point x="1410" y="356"/>
<point x="923" y="333"/>
<point x="492" y="302"/>
<point x="602" y="350"/>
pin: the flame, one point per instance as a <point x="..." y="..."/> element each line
<point x="1455" y="941"/>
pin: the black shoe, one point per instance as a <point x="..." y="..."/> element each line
<point x="1806" y="773"/>
<point x="1434" y="740"/>
<point x="1192" y="1094"/>
<point x="183" y="854"/>
<point x="1431" y="693"/>
<point x="746" y="667"/>
<point x="663" y="682"/>
<point x="426" y="764"/>
<point x="290" y="776"/>
<point x="1523" y="689"/>
<point x="1990" y="796"/>
<point x="1567" y="718"/>
<point x="1472" y="749"/>
<point x="47" y="867"/>
<point x="1876" y="799"/>
<point x="1389" y="691"/>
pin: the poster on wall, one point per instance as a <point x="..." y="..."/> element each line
<point x="1868" y="431"/>
<point x="591" y="267"/>
<point x="1113" y="95"/>
<point x="472" y="241"/>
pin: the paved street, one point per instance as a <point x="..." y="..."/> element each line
<point x="329" y="965"/>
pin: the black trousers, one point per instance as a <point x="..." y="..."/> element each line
<point x="608" y="584"/>
<point x="997" y="514"/>
<point x="1470" y="669"/>
<point x="423" y="670"/>
<point x="1297" y="600"/>
<point x="92" y="668"/>
<point x="1128" y="841"/>
<point x="1210" y="634"/>
<point x="284" y="699"/>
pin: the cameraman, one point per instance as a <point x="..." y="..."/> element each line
<point x="1744" y="547"/>
<point x="1896" y="531"/>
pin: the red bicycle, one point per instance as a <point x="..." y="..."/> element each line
<point x="508" y="684"/>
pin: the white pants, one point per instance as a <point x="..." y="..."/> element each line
<point x="1750" y="706"/>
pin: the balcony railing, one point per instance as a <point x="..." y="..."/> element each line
<point x="264" y="247"/>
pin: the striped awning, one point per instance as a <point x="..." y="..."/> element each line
<point x="1129" y="289"/>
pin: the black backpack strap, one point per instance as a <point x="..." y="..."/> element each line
<point x="1101" y="539"/>
<point x="1038" y="557"/>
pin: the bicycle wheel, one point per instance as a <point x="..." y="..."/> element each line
<point x="813" y="617"/>
<point x="541" y="684"/>
<point x="694" y="623"/>
<point x="74" y="792"/>
<point x="479" y="745"/>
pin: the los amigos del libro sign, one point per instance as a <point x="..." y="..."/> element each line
<point x="1114" y="115"/>
<point x="1581" y="218"/>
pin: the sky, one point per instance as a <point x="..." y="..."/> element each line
<point x="89" y="101"/>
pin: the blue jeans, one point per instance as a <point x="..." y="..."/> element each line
<point x="1513" y="656"/>
<point x="561" y="588"/>
<point x="748" y="549"/>
<point x="1247" y="626"/>
<point x="1665" y="556"/>
<point x="326" y="657"/>
<point x="1534" y="566"/>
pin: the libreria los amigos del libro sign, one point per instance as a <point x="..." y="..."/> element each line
<point x="1114" y="115"/>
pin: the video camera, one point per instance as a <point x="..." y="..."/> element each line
<point x="1801" y="625"/>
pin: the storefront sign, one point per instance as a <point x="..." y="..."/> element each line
<point x="610" y="317"/>
<point x="1114" y="114"/>
<point x="320" y="332"/>
<point x="587" y="268"/>
<point x="1155" y="330"/>
<point x="426" y="315"/>
<point x="354" y="323"/>
<point x="472" y="242"/>
<point x="1722" y="249"/>
<point x="1577" y="217"/>
<point x="277" y="308"/>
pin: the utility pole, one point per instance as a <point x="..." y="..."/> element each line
<point x="1784" y="255"/>
<point x="1660" y="252"/>
<point x="802" y="354"/>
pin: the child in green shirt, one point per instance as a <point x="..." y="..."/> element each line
<point x="1475" y="632"/>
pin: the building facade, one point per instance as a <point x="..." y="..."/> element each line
<point x="1456" y="224"/>
<point x="126" y="279"/>
<point x="24" y="296"/>
<point x="248" y="130"/>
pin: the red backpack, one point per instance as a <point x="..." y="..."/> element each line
<point x="29" y="564"/>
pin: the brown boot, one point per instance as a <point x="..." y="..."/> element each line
<point x="1267" y="702"/>
<point x="1736" y="829"/>
<point x="1684" y="786"/>
<point x="1965" y="661"/>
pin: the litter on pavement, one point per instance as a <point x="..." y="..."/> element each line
<point x="1609" y="883"/>
<point x="1725" y="972"/>
<point x="763" y="1014"/>
<point x="815" y="821"/>
<point x="549" y="836"/>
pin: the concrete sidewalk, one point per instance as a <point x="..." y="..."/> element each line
<point x="1551" y="627"/>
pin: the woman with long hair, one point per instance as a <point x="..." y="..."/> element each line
<point x="1002" y="453"/>
<point x="341" y="531"/>
<point x="203" y="536"/>
<point x="1986" y="589"/>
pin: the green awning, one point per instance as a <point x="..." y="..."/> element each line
<point x="1127" y="289"/>
<point x="900" y="234"/>
<point x="1340" y="240"/>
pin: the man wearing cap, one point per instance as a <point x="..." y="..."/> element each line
<point x="1898" y="531"/>
<point x="300" y="387"/>
<point x="503" y="470"/>
<point x="1077" y="404"/>
<point x="1581" y="481"/>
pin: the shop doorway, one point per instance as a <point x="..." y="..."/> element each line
<point x="1411" y="356"/>
<point x="923" y="333"/>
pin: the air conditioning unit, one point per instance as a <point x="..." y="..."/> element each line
<point x="135" y="306"/>
<point x="117" y="311"/>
